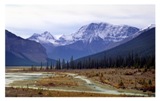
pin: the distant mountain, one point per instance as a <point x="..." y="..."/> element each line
<point x="143" y="45"/>
<point x="105" y="31"/>
<point x="23" y="52"/>
<point x="89" y="39"/>
<point x="45" y="37"/>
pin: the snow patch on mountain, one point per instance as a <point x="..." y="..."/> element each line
<point x="105" y="31"/>
<point x="89" y="39"/>
<point x="143" y="30"/>
<point x="148" y="27"/>
<point x="45" y="37"/>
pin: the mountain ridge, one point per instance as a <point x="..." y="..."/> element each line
<point x="23" y="52"/>
<point x="89" y="39"/>
<point x="90" y="31"/>
<point x="143" y="45"/>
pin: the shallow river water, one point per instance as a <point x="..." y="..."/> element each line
<point x="11" y="77"/>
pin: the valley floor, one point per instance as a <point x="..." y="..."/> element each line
<point x="81" y="83"/>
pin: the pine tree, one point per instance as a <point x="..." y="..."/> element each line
<point x="67" y="65"/>
<point x="63" y="64"/>
<point x="51" y="66"/>
<point x="47" y="66"/>
<point x="72" y="63"/>
<point x="41" y="66"/>
<point x="58" y="64"/>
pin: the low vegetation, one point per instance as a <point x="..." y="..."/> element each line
<point x="126" y="79"/>
<point x="55" y="81"/>
<point x="140" y="79"/>
<point x="24" y="92"/>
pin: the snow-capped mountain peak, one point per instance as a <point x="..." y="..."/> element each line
<point x="47" y="35"/>
<point x="88" y="33"/>
<point x="105" y="31"/>
<point x="89" y="39"/>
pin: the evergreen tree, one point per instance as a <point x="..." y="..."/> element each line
<point x="63" y="64"/>
<point x="47" y="66"/>
<point x="58" y="64"/>
<point x="72" y="63"/>
<point x="51" y="67"/>
<point x="67" y="65"/>
<point x="41" y="66"/>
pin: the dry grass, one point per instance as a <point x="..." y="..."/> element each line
<point x="24" y="92"/>
<point x="61" y="80"/>
<point x="140" y="79"/>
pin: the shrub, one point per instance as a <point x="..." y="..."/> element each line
<point x="121" y="85"/>
<point x="40" y="93"/>
<point x="128" y="73"/>
<point x="150" y="82"/>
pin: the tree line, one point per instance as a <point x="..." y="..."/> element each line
<point x="129" y="61"/>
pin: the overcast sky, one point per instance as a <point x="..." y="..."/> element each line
<point x="24" y="20"/>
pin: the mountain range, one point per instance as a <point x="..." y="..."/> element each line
<point x="24" y="52"/>
<point x="89" y="39"/>
<point x="142" y="46"/>
<point x="94" y="40"/>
